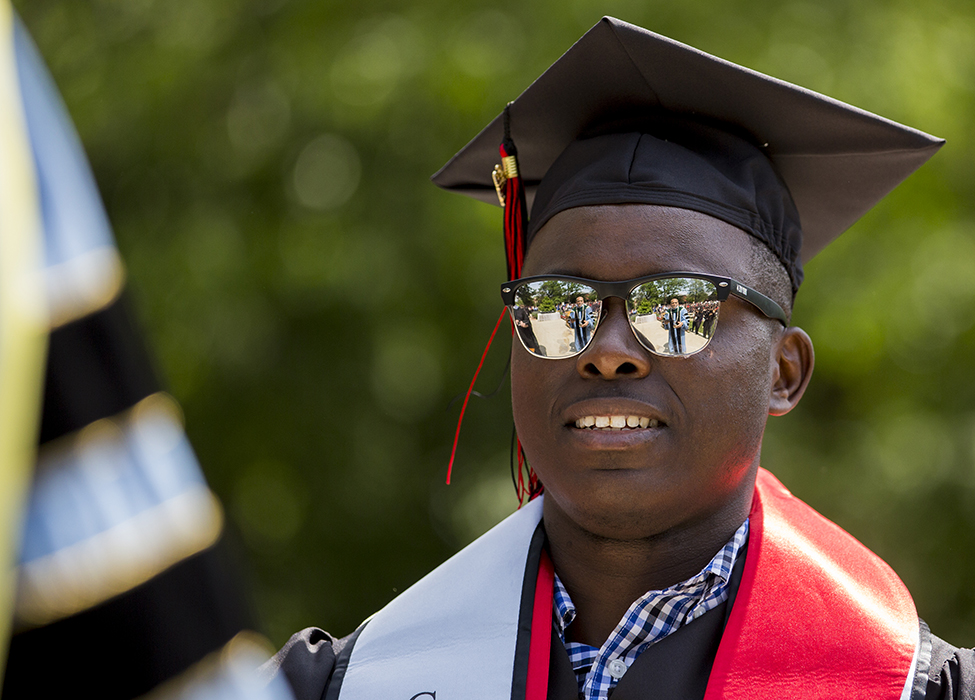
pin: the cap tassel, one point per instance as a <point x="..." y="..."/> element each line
<point x="511" y="191"/>
<point x="515" y="210"/>
<point x="467" y="396"/>
<point x="527" y="485"/>
<point x="511" y="194"/>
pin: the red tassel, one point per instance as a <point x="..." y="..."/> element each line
<point x="467" y="396"/>
<point x="530" y="488"/>
<point x="511" y="192"/>
<point x="515" y="228"/>
<point x="515" y="209"/>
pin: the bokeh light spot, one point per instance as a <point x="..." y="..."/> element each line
<point x="326" y="173"/>
<point x="407" y="372"/>
<point x="269" y="504"/>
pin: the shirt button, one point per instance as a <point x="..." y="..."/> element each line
<point x="616" y="668"/>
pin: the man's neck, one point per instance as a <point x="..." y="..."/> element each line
<point x="604" y="577"/>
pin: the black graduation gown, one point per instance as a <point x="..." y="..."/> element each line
<point x="675" y="668"/>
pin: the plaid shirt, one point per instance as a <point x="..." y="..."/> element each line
<point x="652" y="617"/>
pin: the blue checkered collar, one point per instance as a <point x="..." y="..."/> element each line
<point x="649" y="619"/>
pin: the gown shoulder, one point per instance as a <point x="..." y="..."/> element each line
<point x="951" y="674"/>
<point x="307" y="661"/>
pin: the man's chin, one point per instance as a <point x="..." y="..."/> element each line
<point x="621" y="514"/>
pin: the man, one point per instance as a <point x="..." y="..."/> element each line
<point x="523" y="324"/>
<point x="581" y="321"/>
<point x="675" y="321"/>
<point x="661" y="562"/>
<point x="698" y="317"/>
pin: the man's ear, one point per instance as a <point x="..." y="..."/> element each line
<point x="791" y="366"/>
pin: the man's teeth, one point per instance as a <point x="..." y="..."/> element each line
<point x="616" y="422"/>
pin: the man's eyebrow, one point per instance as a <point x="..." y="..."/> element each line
<point x="564" y="272"/>
<point x="575" y="272"/>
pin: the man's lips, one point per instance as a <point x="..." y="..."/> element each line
<point x="613" y="415"/>
<point x="616" y="422"/>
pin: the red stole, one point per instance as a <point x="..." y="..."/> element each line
<point x="817" y="615"/>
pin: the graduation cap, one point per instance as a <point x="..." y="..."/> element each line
<point x="626" y="115"/>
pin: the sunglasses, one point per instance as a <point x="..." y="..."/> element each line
<point x="671" y="314"/>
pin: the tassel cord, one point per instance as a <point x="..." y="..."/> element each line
<point x="467" y="397"/>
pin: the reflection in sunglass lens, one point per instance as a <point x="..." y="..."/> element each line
<point x="669" y="316"/>
<point x="555" y="318"/>
<point x="674" y="315"/>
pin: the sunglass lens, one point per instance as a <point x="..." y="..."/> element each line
<point x="674" y="315"/>
<point x="555" y="318"/>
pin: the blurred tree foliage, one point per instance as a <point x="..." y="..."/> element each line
<point x="315" y="303"/>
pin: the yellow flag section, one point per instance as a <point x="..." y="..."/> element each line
<point x="23" y="319"/>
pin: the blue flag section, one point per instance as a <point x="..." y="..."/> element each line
<point x="110" y="532"/>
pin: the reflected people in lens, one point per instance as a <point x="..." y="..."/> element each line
<point x="581" y="320"/>
<point x="523" y="322"/>
<point x="675" y="321"/>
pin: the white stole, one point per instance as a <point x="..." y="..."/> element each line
<point x="453" y="633"/>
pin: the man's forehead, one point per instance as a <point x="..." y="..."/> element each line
<point x="625" y="241"/>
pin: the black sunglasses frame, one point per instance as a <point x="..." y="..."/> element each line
<point x="725" y="287"/>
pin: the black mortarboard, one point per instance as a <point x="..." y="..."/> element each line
<point x="626" y="115"/>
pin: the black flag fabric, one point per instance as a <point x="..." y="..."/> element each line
<point x="118" y="580"/>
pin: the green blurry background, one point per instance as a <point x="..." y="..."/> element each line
<point x="314" y="303"/>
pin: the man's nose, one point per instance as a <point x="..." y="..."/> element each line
<point x="614" y="351"/>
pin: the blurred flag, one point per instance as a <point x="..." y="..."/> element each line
<point x="116" y="580"/>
